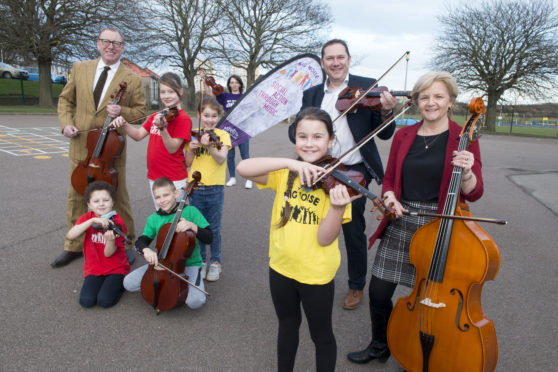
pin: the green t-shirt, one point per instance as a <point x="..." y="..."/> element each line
<point x="189" y="213"/>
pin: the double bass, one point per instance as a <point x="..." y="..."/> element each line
<point x="440" y="326"/>
<point x="102" y="148"/>
<point x="165" y="289"/>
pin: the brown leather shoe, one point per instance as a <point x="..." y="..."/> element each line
<point x="65" y="258"/>
<point x="353" y="299"/>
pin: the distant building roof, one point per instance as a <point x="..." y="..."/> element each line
<point x="143" y="72"/>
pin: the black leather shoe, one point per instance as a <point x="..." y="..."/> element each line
<point x="65" y="258"/>
<point x="130" y="255"/>
<point x="376" y="350"/>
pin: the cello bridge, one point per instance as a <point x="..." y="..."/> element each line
<point x="428" y="302"/>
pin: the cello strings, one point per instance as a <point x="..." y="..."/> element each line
<point x="442" y="244"/>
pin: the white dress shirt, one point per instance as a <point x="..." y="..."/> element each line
<point x="343" y="137"/>
<point x="110" y="74"/>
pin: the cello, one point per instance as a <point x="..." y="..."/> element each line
<point x="102" y="148"/>
<point x="440" y="326"/>
<point x="165" y="290"/>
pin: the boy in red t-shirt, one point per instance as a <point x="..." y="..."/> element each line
<point x="105" y="259"/>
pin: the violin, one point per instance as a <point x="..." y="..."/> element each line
<point x="103" y="147"/>
<point x="214" y="139"/>
<point x="113" y="227"/>
<point x="168" y="114"/>
<point x="371" y="101"/>
<point x="163" y="289"/>
<point x="440" y="326"/>
<point x="354" y="180"/>
<point x="216" y="89"/>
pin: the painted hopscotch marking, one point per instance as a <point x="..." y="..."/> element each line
<point x="32" y="141"/>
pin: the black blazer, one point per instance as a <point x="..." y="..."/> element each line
<point x="361" y="122"/>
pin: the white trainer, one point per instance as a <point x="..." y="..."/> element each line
<point x="203" y="270"/>
<point x="213" y="272"/>
<point x="248" y="184"/>
<point x="231" y="182"/>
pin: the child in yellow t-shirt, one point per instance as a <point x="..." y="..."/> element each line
<point x="210" y="159"/>
<point x="303" y="249"/>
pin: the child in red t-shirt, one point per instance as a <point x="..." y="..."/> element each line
<point x="165" y="151"/>
<point x="105" y="259"/>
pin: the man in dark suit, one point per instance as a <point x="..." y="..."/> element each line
<point x="349" y="130"/>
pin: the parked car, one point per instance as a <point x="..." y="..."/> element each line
<point x="34" y="76"/>
<point x="10" y="72"/>
<point x="33" y="73"/>
<point x="408" y="121"/>
<point x="58" y="79"/>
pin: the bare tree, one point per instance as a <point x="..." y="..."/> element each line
<point x="500" y="46"/>
<point x="181" y="34"/>
<point x="61" y="30"/>
<point x="267" y="32"/>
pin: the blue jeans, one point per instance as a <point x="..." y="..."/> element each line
<point x="244" y="154"/>
<point x="209" y="200"/>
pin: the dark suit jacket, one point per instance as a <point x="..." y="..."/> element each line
<point x="361" y="123"/>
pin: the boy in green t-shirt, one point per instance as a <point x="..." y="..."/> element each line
<point x="165" y="195"/>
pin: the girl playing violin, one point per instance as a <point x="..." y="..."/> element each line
<point x="165" y="155"/>
<point x="417" y="177"/>
<point x="105" y="259"/>
<point x="208" y="155"/>
<point x="304" y="253"/>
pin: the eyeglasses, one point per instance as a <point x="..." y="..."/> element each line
<point x="116" y="44"/>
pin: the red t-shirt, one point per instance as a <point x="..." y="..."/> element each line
<point x="94" y="250"/>
<point x="159" y="162"/>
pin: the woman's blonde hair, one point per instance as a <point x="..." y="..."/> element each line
<point x="426" y="81"/>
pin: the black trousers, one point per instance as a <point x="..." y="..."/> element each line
<point x="356" y="243"/>
<point x="380" y="292"/>
<point x="317" y="300"/>
<point x="103" y="290"/>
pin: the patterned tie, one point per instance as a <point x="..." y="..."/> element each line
<point x="100" y="85"/>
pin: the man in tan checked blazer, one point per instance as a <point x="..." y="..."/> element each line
<point x="77" y="111"/>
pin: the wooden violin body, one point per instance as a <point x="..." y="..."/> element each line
<point x="459" y="337"/>
<point x="371" y="101"/>
<point x="160" y="288"/>
<point x="98" y="167"/>
<point x="214" y="139"/>
<point x="216" y="89"/>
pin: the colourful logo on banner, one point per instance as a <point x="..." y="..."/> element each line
<point x="299" y="77"/>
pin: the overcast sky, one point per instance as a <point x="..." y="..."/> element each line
<point x="379" y="32"/>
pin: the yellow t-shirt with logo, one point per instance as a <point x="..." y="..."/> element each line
<point x="294" y="250"/>
<point x="212" y="173"/>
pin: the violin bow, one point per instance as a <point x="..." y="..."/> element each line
<point x="182" y="278"/>
<point x="177" y="275"/>
<point x="464" y="218"/>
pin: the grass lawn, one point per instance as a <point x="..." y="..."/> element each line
<point x="27" y="109"/>
<point x="12" y="87"/>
